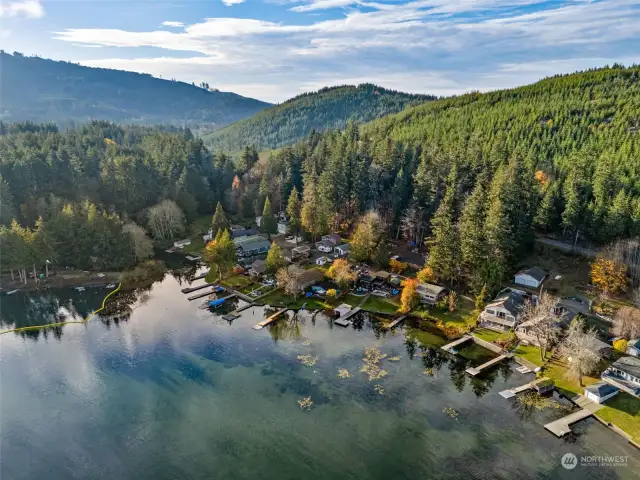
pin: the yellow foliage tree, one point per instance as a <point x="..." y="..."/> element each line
<point x="340" y="273"/>
<point x="541" y="177"/>
<point x="409" y="297"/>
<point x="397" y="266"/>
<point x="331" y="293"/>
<point x="426" y="275"/>
<point x="620" y="345"/>
<point x="609" y="276"/>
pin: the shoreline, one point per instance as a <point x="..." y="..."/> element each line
<point x="68" y="279"/>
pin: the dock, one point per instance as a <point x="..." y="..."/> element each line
<point x="473" y="371"/>
<point x="562" y="426"/>
<point x="396" y="321"/>
<point x="270" y="319"/>
<point x="200" y="277"/>
<point x="449" y="347"/>
<point x="236" y="313"/>
<point x="512" y="392"/>
<point x="344" y="321"/>
<point x="199" y="287"/>
<point x="200" y="295"/>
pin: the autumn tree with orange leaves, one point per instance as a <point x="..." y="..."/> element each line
<point x="409" y="297"/>
<point x="609" y="276"/>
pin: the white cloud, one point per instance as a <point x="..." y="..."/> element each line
<point x="25" y="8"/>
<point x="437" y="46"/>
<point x="229" y="3"/>
<point x="172" y="24"/>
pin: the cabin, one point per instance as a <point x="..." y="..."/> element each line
<point x="181" y="243"/>
<point x="332" y="239"/>
<point x="503" y="312"/>
<point x="251" y="245"/>
<point x="257" y="268"/>
<point x="429" y="293"/>
<point x="600" y="392"/>
<point x="324" y="246"/>
<point x="530" y="277"/>
<point x="343" y="250"/>
<point x="624" y="373"/>
<point x="633" y="347"/>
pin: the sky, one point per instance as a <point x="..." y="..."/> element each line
<point x="275" y="49"/>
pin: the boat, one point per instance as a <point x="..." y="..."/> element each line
<point x="12" y="292"/>
<point x="111" y="285"/>
<point x="216" y="303"/>
<point x="80" y="289"/>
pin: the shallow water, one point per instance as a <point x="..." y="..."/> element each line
<point x="170" y="390"/>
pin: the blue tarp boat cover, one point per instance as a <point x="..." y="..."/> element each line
<point x="215" y="303"/>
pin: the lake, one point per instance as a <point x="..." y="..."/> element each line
<point x="161" y="388"/>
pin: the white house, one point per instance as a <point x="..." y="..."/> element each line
<point x="207" y="237"/>
<point x="282" y="228"/>
<point x="324" y="246"/>
<point x="321" y="261"/>
<point x="429" y="293"/>
<point x="531" y="277"/>
<point x="600" y="392"/>
<point x="633" y="347"/>
<point x="503" y="312"/>
<point x="624" y="373"/>
<point x="343" y="250"/>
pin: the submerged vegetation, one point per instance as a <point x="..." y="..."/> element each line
<point x="371" y="363"/>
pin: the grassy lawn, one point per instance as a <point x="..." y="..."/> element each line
<point x="380" y="305"/>
<point x="490" y="335"/>
<point x="461" y="317"/>
<point x="351" y="299"/>
<point x="237" y="281"/>
<point x="530" y="353"/>
<point x="623" y="411"/>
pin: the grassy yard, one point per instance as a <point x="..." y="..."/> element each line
<point x="490" y="335"/>
<point x="237" y="281"/>
<point x="461" y="317"/>
<point x="380" y="305"/>
<point x="623" y="410"/>
<point x="530" y="353"/>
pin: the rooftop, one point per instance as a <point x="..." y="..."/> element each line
<point x="630" y="365"/>
<point x="601" y="389"/>
<point x="344" y="247"/>
<point x="430" y="288"/>
<point x="534" y="272"/>
<point x="509" y="300"/>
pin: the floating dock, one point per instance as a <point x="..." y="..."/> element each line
<point x="449" y="347"/>
<point x="270" y="319"/>
<point x="199" y="287"/>
<point x="396" y="321"/>
<point x="344" y="321"/>
<point x="236" y="313"/>
<point x="216" y="289"/>
<point x="512" y="392"/>
<point x="473" y="371"/>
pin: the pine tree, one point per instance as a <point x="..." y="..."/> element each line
<point x="546" y="217"/>
<point x="444" y="252"/>
<point x="268" y="224"/>
<point x="473" y="245"/>
<point x="313" y="216"/>
<point x="617" y="218"/>
<point x="219" y="220"/>
<point x="294" y="207"/>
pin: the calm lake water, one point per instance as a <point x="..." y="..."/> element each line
<point x="163" y="389"/>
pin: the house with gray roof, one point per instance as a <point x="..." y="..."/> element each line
<point x="600" y="392"/>
<point x="251" y="245"/>
<point x="430" y="293"/>
<point x="530" y="277"/>
<point x="503" y="313"/>
<point x="633" y="347"/>
<point x="624" y="373"/>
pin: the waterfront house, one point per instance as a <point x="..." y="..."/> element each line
<point x="503" y="312"/>
<point x="600" y="392"/>
<point x="343" y="250"/>
<point x="309" y="277"/>
<point x="429" y="293"/>
<point x="624" y="373"/>
<point x="633" y="347"/>
<point x="181" y="243"/>
<point x="251" y="245"/>
<point x="257" y="268"/>
<point x="531" y="277"/>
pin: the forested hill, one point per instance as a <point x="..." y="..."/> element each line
<point x="41" y="90"/>
<point x="326" y="109"/>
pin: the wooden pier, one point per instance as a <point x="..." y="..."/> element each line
<point x="396" y="322"/>
<point x="562" y="426"/>
<point x="512" y="392"/>
<point x="473" y="371"/>
<point x="242" y="296"/>
<point x="199" y="287"/>
<point x="344" y="321"/>
<point x="449" y="347"/>
<point x="200" y="277"/>
<point x="236" y="313"/>
<point x="200" y="295"/>
<point x="270" y="319"/>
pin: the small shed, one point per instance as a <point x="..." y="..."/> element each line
<point x="321" y="261"/>
<point x="633" y="347"/>
<point x="543" y="385"/>
<point x="181" y="243"/>
<point x="531" y="277"/>
<point x="600" y="392"/>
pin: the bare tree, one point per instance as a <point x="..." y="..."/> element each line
<point x="541" y="321"/>
<point x="166" y="220"/>
<point x="141" y="244"/>
<point x="626" y="323"/>
<point x="580" y="348"/>
<point x="626" y="252"/>
<point x="289" y="281"/>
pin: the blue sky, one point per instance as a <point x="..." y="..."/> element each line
<point x="276" y="49"/>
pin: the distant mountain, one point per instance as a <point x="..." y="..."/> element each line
<point x="326" y="109"/>
<point x="41" y="90"/>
